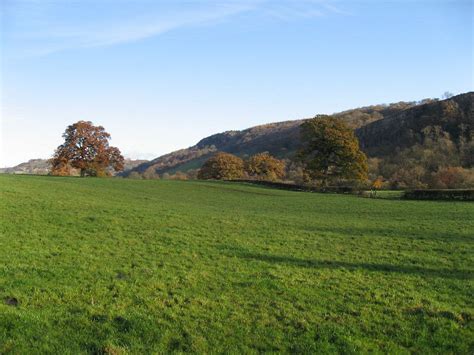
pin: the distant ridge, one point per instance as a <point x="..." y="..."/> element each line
<point x="41" y="166"/>
<point x="381" y="129"/>
<point x="32" y="166"/>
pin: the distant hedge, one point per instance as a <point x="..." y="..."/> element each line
<point x="295" y="187"/>
<point x="459" y="195"/>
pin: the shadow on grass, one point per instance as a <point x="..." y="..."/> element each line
<point x="232" y="187"/>
<point x="371" y="267"/>
<point x="395" y="233"/>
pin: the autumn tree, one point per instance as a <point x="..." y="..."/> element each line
<point x="376" y="185"/>
<point x="330" y="150"/>
<point x="264" y="166"/>
<point x="150" y="173"/>
<point x="86" y="148"/>
<point x="222" y="166"/>
<point x="453" y="177"/>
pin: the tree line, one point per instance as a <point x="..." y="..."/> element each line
<point x="329" y="152"/>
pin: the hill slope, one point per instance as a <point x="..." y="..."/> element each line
<point x="381" y="129"/>
<point x="42" y="166"/>
<point x="32" y="166"/>
<point x="452" y="118"/>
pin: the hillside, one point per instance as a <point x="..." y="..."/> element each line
<point x="381" y="129"/>
<point x="41" y="166"/>
<point x="32" y="166"/>
<point x="452" y="119"/>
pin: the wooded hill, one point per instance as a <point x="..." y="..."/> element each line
<point x="386" y="133"/>
<point x="43" y="166"/>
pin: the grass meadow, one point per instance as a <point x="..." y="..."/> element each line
<point x="143" y="266"/>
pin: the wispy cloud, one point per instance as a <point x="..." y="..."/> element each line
<point x="43" y="27"/>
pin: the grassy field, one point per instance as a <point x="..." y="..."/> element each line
<point x="114" y="265"/>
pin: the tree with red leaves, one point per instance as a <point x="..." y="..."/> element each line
<point x="86" y="148"/>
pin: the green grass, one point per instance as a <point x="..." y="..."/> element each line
<point x="139" y="266"/>
<point x="389" y="194"/>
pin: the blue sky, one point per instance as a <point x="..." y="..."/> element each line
<point x="160" y="75"/>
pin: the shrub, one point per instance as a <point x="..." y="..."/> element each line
<point x="263" y="166"/>
<point x="178" y="176"/>
<point x="222" y="166"/>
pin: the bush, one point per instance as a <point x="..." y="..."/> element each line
<point x="178" y="176"/>
<point x="263" y="166"/>
<point x="222" y="166"/>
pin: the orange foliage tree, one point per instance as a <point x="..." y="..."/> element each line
<point x="222" y="166"/>
<point x="264" y="166"/>
<point x="86" y="148"/>
<point x="377" y="184"/>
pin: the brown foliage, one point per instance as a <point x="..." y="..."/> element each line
<point x="453" y="177"/>
<point x="179" y="175"/>
<point x="61" y="167"/>
<point x="378" y="183"/>
<point x="265" y="167"/>
<point x="150" y="174"/>
<point x="222" y="166"/>
<point x="192" y="174"/>
<point x="297" y="174"/>
<point x="436" y="163"/>
<point x="86" y="147"/>
<point x="331" y="151"/>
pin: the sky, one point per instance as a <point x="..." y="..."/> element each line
<point x="160" y="75"/>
